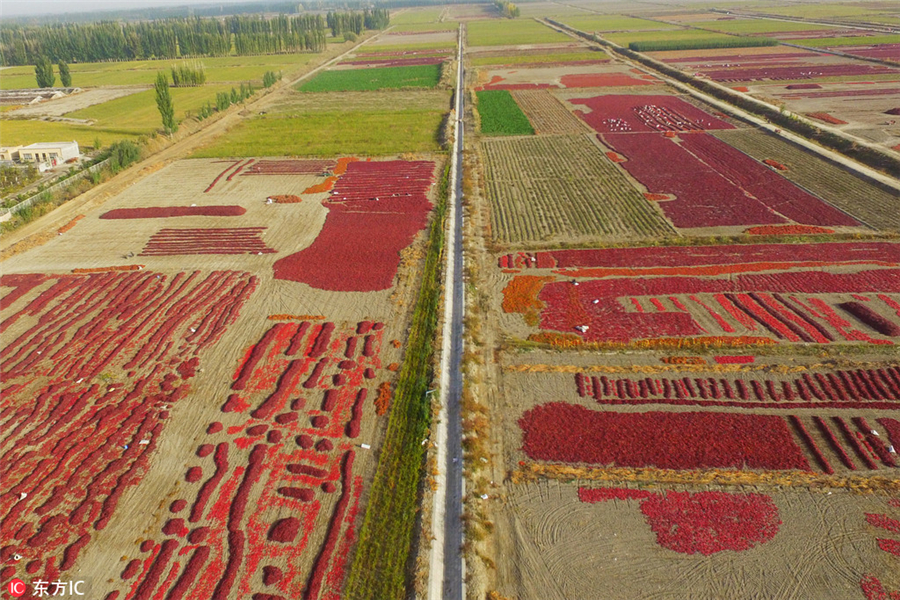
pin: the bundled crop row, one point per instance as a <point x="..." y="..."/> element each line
<point x="79" y="439"/>
<point x="375" y="210"/>
<point x="858" y="388"/>
<point x="174" y="242"/>
<point x="163" y="212"/>
<point x="290" y="167"/>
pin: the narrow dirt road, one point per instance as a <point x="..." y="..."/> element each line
<point x="447" y="571"/>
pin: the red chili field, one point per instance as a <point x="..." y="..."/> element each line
<point x="191" y="413"/>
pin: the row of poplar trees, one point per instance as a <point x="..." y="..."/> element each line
<point x="43" y="73"/>
<point x="177" y="37"/>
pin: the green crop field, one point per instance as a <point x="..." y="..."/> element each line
<point x="758" y="26"/>
<point x="417" y="15"/>
<point x="138" y="113"/>
<point x="819" y="10"/>
<point x="423" y="27"/>
<point x="500" y="115"/>
<point x="420" y="76"/>
<point x="335" y="133"/>
<point x="509" y="32"/>
<point x="868" y="40"/>
<point x="218" y="69"/>
<point x="546" y="57"/>
<point x="437" y="46"/>
<point x="613" y="23"/>
<point x="655" y="36"/>
<point x="296" y="103"/>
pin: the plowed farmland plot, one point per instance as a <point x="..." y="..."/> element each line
<point x="547" y="114"/>
<point x="190" y="375"/>
<point x="561" y="188"/>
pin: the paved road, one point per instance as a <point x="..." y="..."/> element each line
<point x="447" y="571"/>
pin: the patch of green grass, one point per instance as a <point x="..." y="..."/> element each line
<point x="747" y="26"/>
<point x="138" y="113"/>
<point x="547" y="57"/>
<point x="335" y="133"/>
<point x="143" y="72"/>
<point x="354" y="80"/>
<point x="624" y="39"/>
<point x="500" y="115"/>
<point x="613" y="23"/>
<point x="511" y="32"/>
<point x="849" y="41"/>
<point x="23" y="132"/>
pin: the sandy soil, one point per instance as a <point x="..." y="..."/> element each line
<point x="551" y="74"/>
<point x="865" y="115"/>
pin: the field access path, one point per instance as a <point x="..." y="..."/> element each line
<point x="447" y="570"/>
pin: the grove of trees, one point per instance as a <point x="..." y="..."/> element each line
<point x="179" y="37"/>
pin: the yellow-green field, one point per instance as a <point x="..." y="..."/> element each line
<point x="138" y="112"/>
<point x="126" y="117"/>
<point x="758" y="26"/>
<point x="16" y="132"/>
<point x="366" y="133"/>
<point x="218" y="70"/>
<point x="547" y="57"/>
<point x="511" y="32"/>
<point x="652" y="36"/>
<point x="850" y="41"/>
<point x="613" y="23"/>
<point x="416" y="15"/>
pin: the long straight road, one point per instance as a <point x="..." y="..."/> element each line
<point x="447" y="571"/>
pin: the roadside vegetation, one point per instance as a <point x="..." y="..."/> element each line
<point x="386" y="537"/>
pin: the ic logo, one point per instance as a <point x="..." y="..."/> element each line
<point x="16" y="587"/>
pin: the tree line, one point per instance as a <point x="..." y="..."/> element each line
<point x="178" y="37"/>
